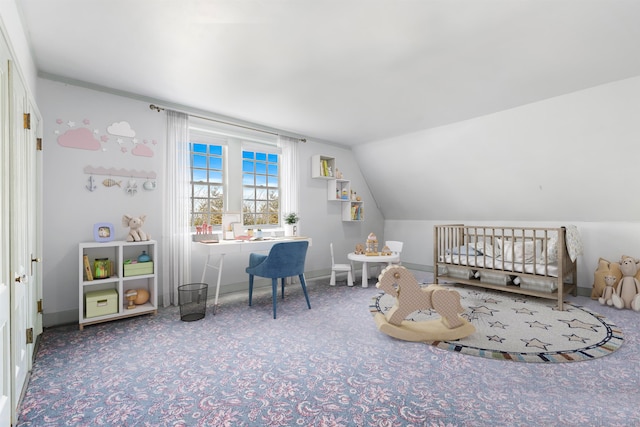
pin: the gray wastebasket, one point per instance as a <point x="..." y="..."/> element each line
<point x="192" y="299"/>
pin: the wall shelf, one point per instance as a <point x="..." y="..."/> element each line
<point x="338" y="189"/>
<point x="323" y="167"/>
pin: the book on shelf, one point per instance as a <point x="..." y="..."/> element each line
<point x="87" y="267"/>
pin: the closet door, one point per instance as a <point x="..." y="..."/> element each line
<point x="22" y="223"/>
<point x="5" y="296"/>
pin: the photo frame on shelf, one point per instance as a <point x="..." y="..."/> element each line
<point x="103" y="232"/>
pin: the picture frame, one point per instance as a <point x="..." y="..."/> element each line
<point x="103" y="232"/>
<point x="228" y="218"/>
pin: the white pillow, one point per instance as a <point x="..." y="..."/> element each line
<point x="485" y="248"/>
<point x="513" y="252"/>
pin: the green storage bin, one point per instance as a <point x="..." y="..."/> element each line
<point x="100" y="303"/>
<point x="138" y="268"/>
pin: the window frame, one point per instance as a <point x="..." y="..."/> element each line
<point x="264" y="209"/>
<point x="204" y="169"/>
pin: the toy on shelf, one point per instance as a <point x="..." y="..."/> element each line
<point x="397" y="281"/>
<point x="135" y="228"/>
<point x="131" y="296"/>
<point x="142" y="296"/>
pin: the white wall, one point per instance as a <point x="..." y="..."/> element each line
<point x="70" y="210"/>
<point x="15" y="35"/>
<point x="567" y="160"/>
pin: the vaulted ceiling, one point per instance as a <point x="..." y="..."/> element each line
<point x="345" y="71"/>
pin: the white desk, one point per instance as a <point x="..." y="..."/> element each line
<point x="365" y="259"/>
<point x="225" y="247"/>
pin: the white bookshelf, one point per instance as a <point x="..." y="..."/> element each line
<point x="117" y="252"/>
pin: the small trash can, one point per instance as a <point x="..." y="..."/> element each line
<point x="192" y="299"/>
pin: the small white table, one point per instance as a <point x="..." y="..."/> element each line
<point x="365" y="259"/>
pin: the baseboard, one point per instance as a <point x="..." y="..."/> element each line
<point x="60" y="318"/>
<point x="260" y="284"/>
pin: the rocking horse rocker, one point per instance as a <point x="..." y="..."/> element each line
<point x="397" y="281"/>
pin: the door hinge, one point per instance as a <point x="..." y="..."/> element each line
<point x="27" y="120"/>
<point x="38" y="144"/>
<point x="40" y="306"/>
<point x="30" y="336"/>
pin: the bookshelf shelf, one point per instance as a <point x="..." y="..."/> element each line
<point x="338" y="189"/>
<point x="323" y="167"/>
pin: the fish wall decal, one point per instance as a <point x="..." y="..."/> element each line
<point x="111" y="182"/>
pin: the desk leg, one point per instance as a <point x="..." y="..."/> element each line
<point x="365" y="275"/>
<point x="219" y="268"/>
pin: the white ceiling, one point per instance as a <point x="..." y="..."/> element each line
<point x="345" y="71"/>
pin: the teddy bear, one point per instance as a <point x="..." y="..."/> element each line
<point x="627" y="295"/>
<point x="608" y="291"/>
<point x="135" y="228"/>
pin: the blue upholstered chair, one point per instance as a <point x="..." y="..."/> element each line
<point x="284" y="260"/>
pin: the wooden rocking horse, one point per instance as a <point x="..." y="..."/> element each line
<point x="397" y="281"/>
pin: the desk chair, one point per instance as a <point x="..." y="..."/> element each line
<point x="284" y="260"/>
<point x="339" y="268"/>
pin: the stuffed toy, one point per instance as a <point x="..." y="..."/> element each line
<point x="135" y="228"/>
<point x="627" y="294"/>
<point x="609" y="290"/>
<point x="605" y="268"/>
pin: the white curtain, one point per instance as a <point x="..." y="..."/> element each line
<point x="290" y="185"/>
<point x="176" y="242"/>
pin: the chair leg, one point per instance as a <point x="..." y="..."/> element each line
<point x="282" y="280"/>
<point x="304" y="289"/>
<point x="349" y="278"/>
<point x="250" y="288"/>
<point x="274" y="295"/>
<point x="333" y="278"/>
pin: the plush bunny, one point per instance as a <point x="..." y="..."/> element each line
<point x="608" y="291"/>
<point x="627" y="295"/>
<point x="135" y="228"/>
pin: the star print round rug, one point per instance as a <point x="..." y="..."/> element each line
<point x="522" y="328"/>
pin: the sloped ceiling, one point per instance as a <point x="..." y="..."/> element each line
<point x="347" y="71"/>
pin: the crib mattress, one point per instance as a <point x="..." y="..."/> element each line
<point x="549" y="270"/>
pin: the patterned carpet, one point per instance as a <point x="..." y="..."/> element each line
<point x="328" y="366"/>
<point x="513" y="327"/>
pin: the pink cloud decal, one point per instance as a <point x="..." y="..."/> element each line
<point x="142" y="150"/>
<point x="81" y="138"/>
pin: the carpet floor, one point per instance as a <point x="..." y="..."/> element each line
<point x="328" y="366"/>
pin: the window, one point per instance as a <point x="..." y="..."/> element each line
<point x="207" y="184"/>
<point x="260" y="188"/>
<point x="237" y="172"/>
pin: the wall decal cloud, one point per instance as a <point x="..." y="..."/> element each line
<point x="142" y="150"/>
<point x="81" y="138"/>
<point x="121" y="129"/>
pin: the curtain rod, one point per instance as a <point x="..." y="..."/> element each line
<point x="158" y="109"/>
